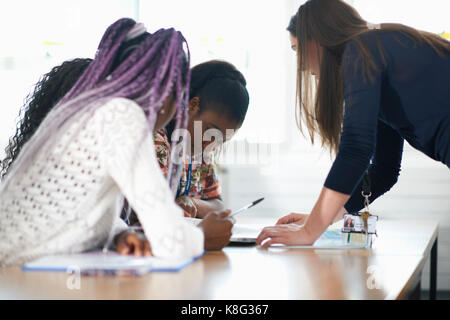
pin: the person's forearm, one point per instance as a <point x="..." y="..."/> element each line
<point x="327" y="209"/>
<point x="340" y="215"/>
<point x="206" y="206"/>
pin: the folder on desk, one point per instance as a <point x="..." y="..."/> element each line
<point x="97" y="262"/>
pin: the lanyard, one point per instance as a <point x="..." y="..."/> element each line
<point x="188" y="181"/>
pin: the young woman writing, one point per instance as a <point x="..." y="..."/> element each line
<point x="218" y="99"/>
<point x="61" y="193"/>
<point x="377" y="85"/>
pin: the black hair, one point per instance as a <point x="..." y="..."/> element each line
<point x="221" y="88"/>
<point x="46" y="94"/>
<point x="127" y="47"/>
<point x="292" y="27"/>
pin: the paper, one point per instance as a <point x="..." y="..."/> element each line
<point x="106" y="263"/>
<point x="194" y="221"/>
<point x="245" y="233"/>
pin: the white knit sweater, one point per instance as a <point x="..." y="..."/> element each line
<point x="71" y="202"/>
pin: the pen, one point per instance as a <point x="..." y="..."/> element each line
<point x="246" y="207"/>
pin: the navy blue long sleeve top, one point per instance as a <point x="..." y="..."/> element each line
<point x="407" y="99"/>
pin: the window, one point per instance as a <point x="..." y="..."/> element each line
<point x="250" y="34"/>
<point x="38" y="35"/>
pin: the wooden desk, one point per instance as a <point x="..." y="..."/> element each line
<point x="391" y="270"/>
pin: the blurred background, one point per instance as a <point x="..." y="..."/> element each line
<point x="268" y="157"/>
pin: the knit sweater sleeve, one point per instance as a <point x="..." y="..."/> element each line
<point x="128" y="153"/>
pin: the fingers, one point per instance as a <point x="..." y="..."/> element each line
<point x="217" y="230"/>
<point x="272" y="241"/>
<point x="296" y="218"/>
<point x="187" y="214"/>
<point x="232" y="220"/>
<point x="267" y="232"/>
<point x="276" y="234"/>
<point x="147" y="249"/>
<point x="122" y="248"/>
<point x="286" y="219"/>
<point x="282" y="220"/>
<point x="224" y="214"/>
<point x="135" y="245"/>
<point x="275" y="237"/>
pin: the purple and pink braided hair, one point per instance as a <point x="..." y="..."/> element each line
<point x="157" y="68"/>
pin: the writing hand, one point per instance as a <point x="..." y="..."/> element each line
<point x="217" y="230"/>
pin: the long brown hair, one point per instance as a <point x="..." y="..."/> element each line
<point x="331" y="24"/>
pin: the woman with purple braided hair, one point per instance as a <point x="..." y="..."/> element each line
<point x="64" y="191"/>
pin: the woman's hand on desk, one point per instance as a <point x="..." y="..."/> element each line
<point x="329" y="206"/>
<point x="287" y="234"/>
<point x="297" y="218"/>
<point x="217" y="230"/>
<point x="130" y="242"/>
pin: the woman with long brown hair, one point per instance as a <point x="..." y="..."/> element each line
<point x="375" y="86"/>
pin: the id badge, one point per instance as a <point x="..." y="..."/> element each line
<point x="359" y="228"/>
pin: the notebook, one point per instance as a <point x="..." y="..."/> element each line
<point x="97" y="262"/>
<point x="245" y="234"/>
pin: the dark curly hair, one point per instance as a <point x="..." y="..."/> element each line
<point x="46" y="94"/>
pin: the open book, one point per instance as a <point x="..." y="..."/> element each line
<point x="97" y="262"/>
